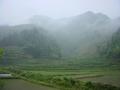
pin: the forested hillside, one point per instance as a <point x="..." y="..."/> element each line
<point x="34" y="42"/>
<point x="79" y="36"/>
<point x="88" y="35"/>
<point x="111" y="48"/>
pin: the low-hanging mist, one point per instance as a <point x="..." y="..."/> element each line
<point x="86" y="35"/>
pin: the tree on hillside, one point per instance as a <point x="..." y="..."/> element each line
<point x="1" y="52"/>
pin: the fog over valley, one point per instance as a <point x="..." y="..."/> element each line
<point x="59" y="45"/>
<point x="74" y="35"/>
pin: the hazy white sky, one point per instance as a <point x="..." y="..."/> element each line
<point x="17" y="11"/>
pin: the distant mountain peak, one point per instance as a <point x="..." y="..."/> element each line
<point x="89" y="13"/>
<point x="92" y="14"/>
<point x="91" y="17"/>
<point x="102" y="15"/>
<point x="39" y="19"/>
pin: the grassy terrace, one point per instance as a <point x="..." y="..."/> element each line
<point x="65" y="79"/>
<point x="72" y="75"/>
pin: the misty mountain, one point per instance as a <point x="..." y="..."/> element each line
<point x="77" y="36"/>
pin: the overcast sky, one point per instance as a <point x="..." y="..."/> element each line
<point x="17" y="11"/>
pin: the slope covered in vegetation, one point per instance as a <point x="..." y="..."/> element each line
<point x="34" y="43"/>
<point x="111" y="48"/>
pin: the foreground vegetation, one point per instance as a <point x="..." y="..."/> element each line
<point x="64" y="80"/>
<point x="64" y="74"/>
<point x="1" y="84"/>
<point x="77" y="74"/>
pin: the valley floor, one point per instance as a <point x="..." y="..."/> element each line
<point x="61" y="78"/>
<point x="16" y="84"/>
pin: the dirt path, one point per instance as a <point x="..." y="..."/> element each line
<point x="16" y="84"/>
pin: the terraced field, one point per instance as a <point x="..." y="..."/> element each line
<point x="99" y="76"/>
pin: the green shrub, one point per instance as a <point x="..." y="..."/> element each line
<point x="1" y="84"/>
